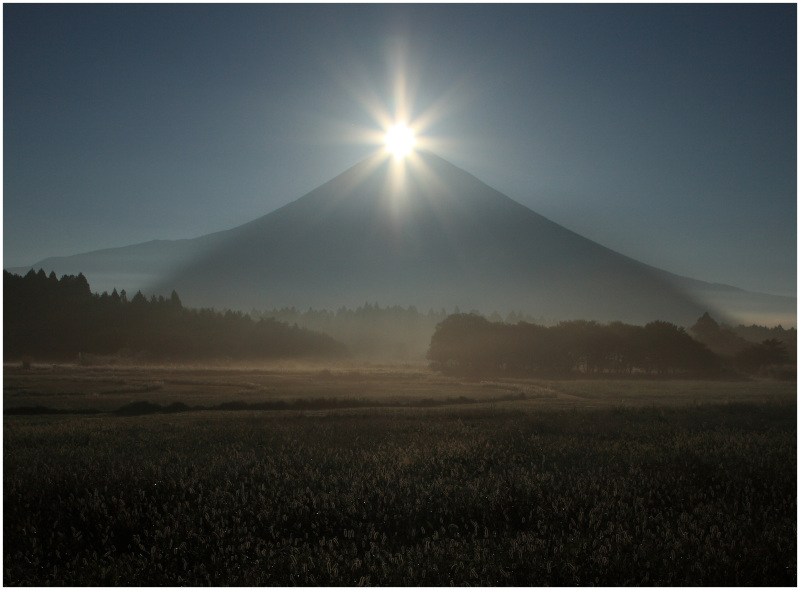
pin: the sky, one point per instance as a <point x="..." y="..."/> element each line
<point x="665" y="132"/>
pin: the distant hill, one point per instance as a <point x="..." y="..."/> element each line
<point x="427" y="234"/>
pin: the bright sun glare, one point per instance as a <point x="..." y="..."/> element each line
<point x="400" y="140"/>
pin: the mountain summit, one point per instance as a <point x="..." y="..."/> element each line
<point x="417" y="232"/>
<point x="423" y="232"/>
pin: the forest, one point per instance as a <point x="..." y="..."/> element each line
<point x="61" y="319"/>
<point x="398" y="333"/>
<point x="471" y="344"/>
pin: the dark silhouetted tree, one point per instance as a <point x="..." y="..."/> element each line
<point x="470" y="344"/>
<point x="759" y="357"/>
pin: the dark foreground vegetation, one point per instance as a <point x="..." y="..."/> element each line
<point x="701" y="495"/>
<point x="51" y="318"/>
<point x="469" y="344"/>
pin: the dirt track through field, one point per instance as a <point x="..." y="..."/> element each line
<point x="73" y="388"/>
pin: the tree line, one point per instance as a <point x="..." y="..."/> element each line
<point x="469" y="344"/>
<point x="749" y="349"/>
<point x="60" y="319"/>
<point x="47" y="317"/>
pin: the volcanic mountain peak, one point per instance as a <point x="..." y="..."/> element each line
<point x="418" y="231"/>
<point x="383" y="186"/>
<point x="422" y="231"/>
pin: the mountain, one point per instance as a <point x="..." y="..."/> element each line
<point x="417" y="232"/>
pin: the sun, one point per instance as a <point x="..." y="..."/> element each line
<point x="400" y="140"/>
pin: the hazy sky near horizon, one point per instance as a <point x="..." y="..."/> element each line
<point x="665" y="132"/>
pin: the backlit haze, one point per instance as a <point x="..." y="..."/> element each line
<point x="667" y="133"/>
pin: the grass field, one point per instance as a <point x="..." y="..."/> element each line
<point x="380" y="475"/>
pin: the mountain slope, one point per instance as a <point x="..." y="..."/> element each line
<point x="427" y="234"/>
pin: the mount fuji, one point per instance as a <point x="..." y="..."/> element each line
<point x="420" y="232"/>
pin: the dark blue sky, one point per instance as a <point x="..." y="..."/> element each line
<point x="666" y="132"/>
